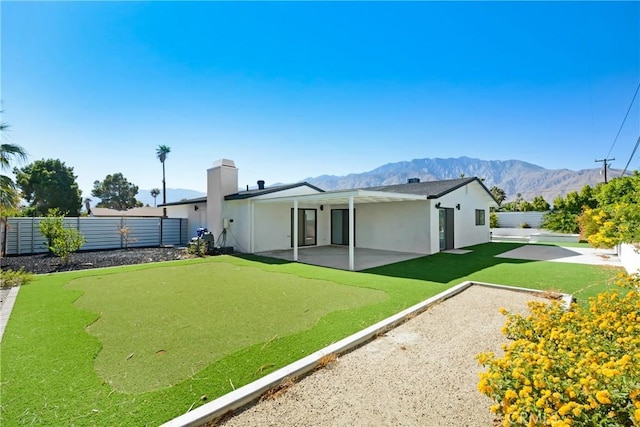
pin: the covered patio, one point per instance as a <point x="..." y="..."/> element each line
<point x="346" y="257"/>
<point x="338" y="257"/>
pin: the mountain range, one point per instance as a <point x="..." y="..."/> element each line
<point x="513" y="176"/>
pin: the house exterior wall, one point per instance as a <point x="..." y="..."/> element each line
<point x="271" y="222"/>
<point x="394" y="226"/>
<point x="466" y="233"/>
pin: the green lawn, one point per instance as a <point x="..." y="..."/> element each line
<point x="140" y="345"/>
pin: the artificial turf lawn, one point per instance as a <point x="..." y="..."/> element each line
<point x="48" y="364"/>
<point x="149" y="318"/>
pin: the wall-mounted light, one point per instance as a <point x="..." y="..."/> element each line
<point x="195" y="207"/>
<point x="458" y="206"/>
<point x="321" y="207"/>
<point x="438" y="205"/>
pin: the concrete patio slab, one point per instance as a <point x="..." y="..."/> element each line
<point x="564" y="254"/>
<point x="338" y="256"/>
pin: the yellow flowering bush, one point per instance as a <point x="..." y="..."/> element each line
<point x="579" y="367"/>
<point x="606" y="227"/>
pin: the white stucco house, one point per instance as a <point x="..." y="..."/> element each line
<point x="416" y="217"/>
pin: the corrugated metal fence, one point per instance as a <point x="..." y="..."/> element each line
<point x="22" y="235"/>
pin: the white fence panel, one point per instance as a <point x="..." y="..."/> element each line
<point x="514" y="219"/>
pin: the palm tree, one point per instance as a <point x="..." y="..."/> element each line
<point x="155" y="192"/>
<point x="161" y="153"/>
<point x="498" y="194"/>
<point x="9" y="197"/>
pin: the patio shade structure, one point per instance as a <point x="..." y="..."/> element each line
<point x="348" y="197"/>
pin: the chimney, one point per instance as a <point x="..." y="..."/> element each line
<point x="222" y="180"/>
<point x="413" y="180"/>
<point x="260" y="184"/>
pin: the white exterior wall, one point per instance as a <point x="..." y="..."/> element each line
<point x="195" y="218"/>
<point x="271" y="221"/>
<point x="629" y="257"/>
<point x="394" y="226"/>
<point x="465" y="231"/>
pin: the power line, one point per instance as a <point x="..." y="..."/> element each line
<point x="605" y="160"/>
<point x="623" y="121"/>
<point x="631" y="156"/>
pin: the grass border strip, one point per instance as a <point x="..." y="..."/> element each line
<point x="7" y="307"/>
<point x="249" y="393"/>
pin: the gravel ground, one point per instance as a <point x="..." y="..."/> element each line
<point x="45" y="263"/>
<point x="422" y="373"/>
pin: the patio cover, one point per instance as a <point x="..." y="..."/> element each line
<point x="350" y="197"/>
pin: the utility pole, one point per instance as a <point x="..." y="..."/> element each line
<point x="605" y="167"/>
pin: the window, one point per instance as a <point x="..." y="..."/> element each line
<point x="479" y="216"/>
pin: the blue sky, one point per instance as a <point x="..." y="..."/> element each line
<point x="299" y="89"/>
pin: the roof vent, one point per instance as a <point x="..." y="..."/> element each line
<point x="260" y="185"/>
<point x="413" y="180"/>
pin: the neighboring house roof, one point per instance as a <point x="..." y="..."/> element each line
<point x="185" y="202"/>
<point x="431" y="189"/>
<point x="145" y="211"/>
<point x="247" y="194"/>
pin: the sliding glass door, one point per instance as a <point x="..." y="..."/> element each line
<point x="340" y="226"/>
<point x="307" y="227"/>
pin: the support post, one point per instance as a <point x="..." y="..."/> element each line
<point x="352" y="236"/>
<point x="252" y="248"/>
<point x="295" y="230"/>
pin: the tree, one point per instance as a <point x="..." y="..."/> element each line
<point x="564" y="216"/>
<point x="116" y="192"/>
<point x="161" y="153"/>
<point x="9" y="153"/>
<point x="617" y="218"/>
<point x="516" y="205"/>
<point x="155" y="192"/>
<point x="49" y="184"/>
<point x="539" y="204"/>
<point x="498" y="194"/>
<point x="575" y="201"/>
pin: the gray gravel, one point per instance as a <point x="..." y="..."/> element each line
<point x="422" y="373"/>
<point x="45" y="263"/>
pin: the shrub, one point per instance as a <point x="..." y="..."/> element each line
<point x="561" y="221"/>
<point x="611" y="225"/>
<point x="198" y="247"/>
<point x="125" y="236"/>
<point x="60" y="240"/>
<point x="576" y="367"/>
<point x="493" y="220"/>
<point x="11" y="278"/>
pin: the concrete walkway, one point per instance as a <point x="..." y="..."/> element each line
<point x="7" y="299"/>
<point x="338" y="256"/>
<point x="564" y="254"/>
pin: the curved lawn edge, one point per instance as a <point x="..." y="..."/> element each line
<point x="68" y="390"/>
